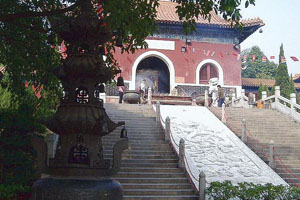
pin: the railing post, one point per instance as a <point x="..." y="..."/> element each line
<point x="157" y="111"/>
<point x="168" y="129"/>
<point x="277" y="94"/>
<point x="263" y="95"/>
<point x="242" y="98"/>
<point x="244" y="131"/>
<point x="206" y="98"/>
<point x="233" y="99"/>
<point x="181" y="153"/>
<point x="194" y="102"/>
<point x="293" y="102"/>
<point x="202" y="186"/>
<point x="149" y="95"/>
<point x="271" y="154"/>
<point x="223" y="113"/>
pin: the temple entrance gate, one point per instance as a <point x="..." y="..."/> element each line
<point x="156" y="74"/>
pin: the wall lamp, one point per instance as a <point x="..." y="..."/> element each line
<point x="188" y="41"/>
<point x="183" y="49"/>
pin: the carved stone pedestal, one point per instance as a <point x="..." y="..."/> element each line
<point x="76" y="189"/>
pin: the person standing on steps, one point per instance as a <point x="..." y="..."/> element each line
<point x="221" y="96"/>
<point x="143" y="90"/>
<point x="121" y="93"/>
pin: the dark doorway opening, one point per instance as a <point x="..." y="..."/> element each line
<point x="207" y="72"/>
<point x="156" y="74"/>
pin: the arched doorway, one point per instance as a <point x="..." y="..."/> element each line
<point x="207" y="72"/>
<point x="156" y="74"/>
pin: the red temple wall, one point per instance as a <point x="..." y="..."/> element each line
<point x="185" y="64"/>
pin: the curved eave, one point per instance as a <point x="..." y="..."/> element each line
<point x="248" y="30"/>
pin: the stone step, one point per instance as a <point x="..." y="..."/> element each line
<point x="181" y="197"/>
<point x="150" y="175"/>
<point x="264" y="126"/>
<point x="133" y="152"/>
<point x="142" y="147"/>
<point x="128" y="156"/>
<point x="156" y="186"/>
<point x="158" y="192"/>
<point x="150" y="161"/>
<point x="151" y="165"/>
<point x="150" y="170"/>
<point x="138" y="142"/>
<point x="152" y="180"/>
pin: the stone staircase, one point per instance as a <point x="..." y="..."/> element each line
<point x="149" y="168"/>
<point x="265" y="125"/>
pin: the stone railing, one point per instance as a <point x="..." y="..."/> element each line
<point x="241" y="101"/>
<point x="282" y="104"/>
<point x="199" y="183"/>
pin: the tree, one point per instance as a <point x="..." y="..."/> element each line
<point x="257" y="69"/>
<point x="261" y="89"/>
<point x="293" y="89"/>
<point x="28" y="30"/>
<point x="30" y="33"/>
<point x="282" y="78"/>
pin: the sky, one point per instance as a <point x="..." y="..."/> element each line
<point x="282" y="26"/>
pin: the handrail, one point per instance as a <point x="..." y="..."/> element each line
<point x="186" y="165"/>
<point x="284" y="99"/>
<point x="269" y="98"/>
<point x="277" y="158"/>
<point x="297" y="106"/>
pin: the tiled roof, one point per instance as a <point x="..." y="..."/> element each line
<point x="167" y="13"/>
<point x="255" y="82"/>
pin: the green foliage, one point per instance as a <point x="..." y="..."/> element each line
<point x="21" y="116"/>
<point x="261" y="89"/>
<point x="293" y="89"/>
<point x="249" y="191"/>
<point x="29" y="29"/>
<point x="257" y="69"/>
<point x="8" y="192"/>
<point x="282" y="78"/>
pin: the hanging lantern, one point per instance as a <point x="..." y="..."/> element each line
<point x="123" y="133"/>
<point x="120" y="81"/>
<point x="101" y="88"/>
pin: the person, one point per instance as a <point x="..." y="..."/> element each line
<point x="221" y="96"/>
<point x="174" y="92"/>
<point x="143" y="86"/>
<point x="143" y="90"/>
<point x="121" y="93"/>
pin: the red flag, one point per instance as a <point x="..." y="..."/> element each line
<point x="253" y="58"/>
<point x="206" y="53"/>
<point x="294" y="58"/>
<point x="264" y="59"/>
<point x="272" y="57"/>
<point x="221" y="54"/>
<point x="283" y="59"/>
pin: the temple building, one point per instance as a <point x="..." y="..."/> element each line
<point x="188" y="61"/>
